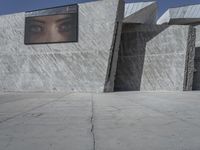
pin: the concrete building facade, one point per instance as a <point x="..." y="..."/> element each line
<point x="153" y="57"/>
<point x="187" y="15"/>
<point x="119" y="50"/>
<point x="76" y="67"/>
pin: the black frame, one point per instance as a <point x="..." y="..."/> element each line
<point x="77" y="25"/>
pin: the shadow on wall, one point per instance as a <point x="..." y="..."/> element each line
<point x="132" y="54"/>
<point x="196" y="79"/>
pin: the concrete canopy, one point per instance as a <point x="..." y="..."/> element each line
<point x="142" y="12"/>
<point x="181" y="15"/>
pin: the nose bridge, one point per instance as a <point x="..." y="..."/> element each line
<point x="51" y="30"/>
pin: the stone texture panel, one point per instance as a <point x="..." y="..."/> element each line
<point x="131" y="8"/>
<point x="181" y="15"/>
<point x="154" y="58"/>
<point x="196" y="80"/>
<point x="197" y="41"/>
<point x="190" y="59"/>
<point x="78" y="66"/>
<point x="113" y="58"/>
<point x="141" y="12"/>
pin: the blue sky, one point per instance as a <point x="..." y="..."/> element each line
<point x="13" y="6"/>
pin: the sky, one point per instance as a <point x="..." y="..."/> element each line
<point x="14" y="6"/>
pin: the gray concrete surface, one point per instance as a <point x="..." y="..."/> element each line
<point x="156" y="58"/>
<point x="80" y="66"/>
<point x="114" y="121"/>
<point x="196" y="79"/>
<point x="181" y="15"/>
<point x="140" y="12"/>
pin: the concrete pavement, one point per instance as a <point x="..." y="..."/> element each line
<point x="113" y="121"/>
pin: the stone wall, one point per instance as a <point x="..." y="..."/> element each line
<point x="196" y="81"/>
<point x="156" y="58"/>
<point x="140" y="12"/>
<point x="80" y="66"/>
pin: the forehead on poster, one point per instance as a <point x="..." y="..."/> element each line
<point x="53" y="11"/>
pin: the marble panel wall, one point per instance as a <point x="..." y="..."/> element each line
<point x="196" y="80"/>
<point x="155" y="58"/>
<point x="141" y="13"/>
<point x="80" y="66"/>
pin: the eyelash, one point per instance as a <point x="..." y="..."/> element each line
<point x="35" y="29"/>
<point x="64" y="27"/>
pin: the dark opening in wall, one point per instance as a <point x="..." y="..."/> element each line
<point x="196" y="77"/>
<point x="132" y="53"/>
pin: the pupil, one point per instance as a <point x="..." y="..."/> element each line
<point x="35" y="29"/>
<point x="64" y="27"/>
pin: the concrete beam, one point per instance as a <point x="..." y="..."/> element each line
<point x="142" y="12"/>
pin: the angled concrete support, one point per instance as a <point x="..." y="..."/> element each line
<point x="142" y="12"/>
<point x="181" y="15"/>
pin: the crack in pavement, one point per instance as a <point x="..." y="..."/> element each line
<point x="92" y="123"/>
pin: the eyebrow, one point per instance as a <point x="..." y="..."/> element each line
<point x="63" y="19"/>
<point x="35" y="20"/>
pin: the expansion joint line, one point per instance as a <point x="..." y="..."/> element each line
<point x="92" y="123"/>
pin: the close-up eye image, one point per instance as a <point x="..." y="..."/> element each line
<point x="51" y="28"/>
<point x="35" y="28"/>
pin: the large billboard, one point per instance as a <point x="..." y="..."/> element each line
<point x="53" y="25"/>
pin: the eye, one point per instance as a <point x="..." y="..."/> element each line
<point x="35" y="29"/>
<point x="64" y="27"/>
